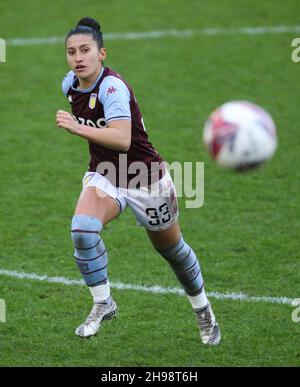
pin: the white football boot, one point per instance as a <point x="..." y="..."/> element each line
<point x="100" y="312"/>
<point x="209" y="329"/>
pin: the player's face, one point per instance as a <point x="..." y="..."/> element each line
<point x="84" y="56"/>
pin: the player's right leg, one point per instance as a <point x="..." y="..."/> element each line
<point x="94" y="209"/>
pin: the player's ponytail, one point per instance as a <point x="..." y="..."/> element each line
<point x="88" y="25"/>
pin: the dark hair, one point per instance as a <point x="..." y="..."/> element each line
<point x="88" y="25"/>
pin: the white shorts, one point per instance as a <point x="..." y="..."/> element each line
<point x="154" y="207"/>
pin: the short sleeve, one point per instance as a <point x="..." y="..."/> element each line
<point x="67" y="82"/>
<point x="115" y="98"/>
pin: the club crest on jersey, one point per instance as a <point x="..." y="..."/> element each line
<point x="92" y="102"/>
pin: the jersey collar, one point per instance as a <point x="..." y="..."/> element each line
<point x="89" y="89"/>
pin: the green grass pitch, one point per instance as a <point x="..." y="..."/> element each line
<point x="246" y="234"/>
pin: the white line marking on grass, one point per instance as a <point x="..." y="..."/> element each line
<point x="149" y="289"/>
<point x="162" y="34"/>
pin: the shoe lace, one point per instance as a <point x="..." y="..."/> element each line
<point x="205" y="321"/>
<point x="95" y="312"/>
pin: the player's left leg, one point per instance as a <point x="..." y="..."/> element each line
<point x="182" y="259"/>
<point x="156" y="209"/>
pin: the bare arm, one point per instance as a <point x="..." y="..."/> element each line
<point x="116" y="136"/>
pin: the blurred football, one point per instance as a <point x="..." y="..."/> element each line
<point x="240" y="135"/>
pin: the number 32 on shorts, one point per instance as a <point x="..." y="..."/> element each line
<point x="161" y="216"/>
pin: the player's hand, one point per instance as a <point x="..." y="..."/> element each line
<point x="66" y="120"/>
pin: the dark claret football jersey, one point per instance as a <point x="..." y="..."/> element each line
<point x="111" y="98"/>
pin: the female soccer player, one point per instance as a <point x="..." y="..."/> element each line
<point x="106" y="114"/>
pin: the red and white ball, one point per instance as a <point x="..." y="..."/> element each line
<point x="240" y="135"/>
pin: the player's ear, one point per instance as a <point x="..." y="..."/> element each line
<point x="102" y="54"/>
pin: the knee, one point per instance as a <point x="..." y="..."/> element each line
<point x="85" y="231"/>
<point x="173" y="250"/>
